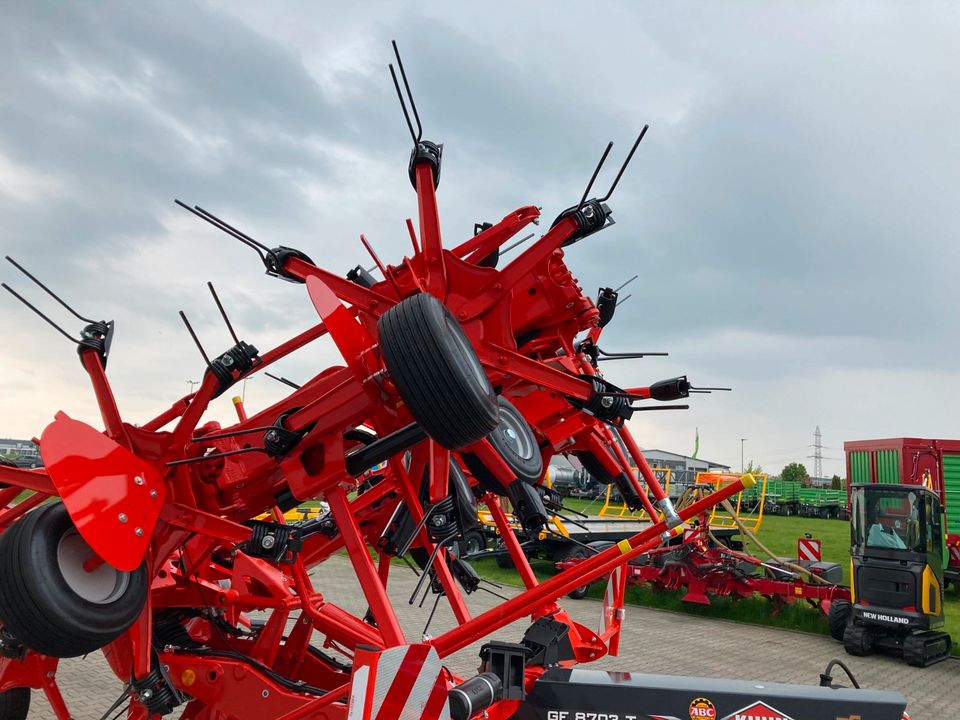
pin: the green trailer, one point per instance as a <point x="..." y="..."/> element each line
<point x="783" y="497"/>
<point x="823" y="503"/>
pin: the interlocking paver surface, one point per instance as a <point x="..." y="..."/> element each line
<point x="652" y="641"/>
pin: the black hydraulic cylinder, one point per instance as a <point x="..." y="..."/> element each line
<point x="474" y="695"/>
<point x="383" y="448"/>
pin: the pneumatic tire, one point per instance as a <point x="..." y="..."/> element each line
<point x="473" y="543"/>
<point x="437" y="372"/>
<point x="49" y="601"/>
<point x="514" y="440"/>
<point x="838" y="618"/>
<point x="15" y="704"/>
<point x="573" y="552"/>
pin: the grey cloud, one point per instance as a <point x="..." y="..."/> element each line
<point x="795" y="192"/>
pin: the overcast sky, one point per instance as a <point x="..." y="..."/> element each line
<point x="789" y="212"/>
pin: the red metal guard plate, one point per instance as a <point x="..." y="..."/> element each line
<point x="105" y="488"/>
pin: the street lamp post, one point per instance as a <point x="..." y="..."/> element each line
<point x="742" y="441"/>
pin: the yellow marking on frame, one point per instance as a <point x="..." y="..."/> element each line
<point x="624" y="546"/>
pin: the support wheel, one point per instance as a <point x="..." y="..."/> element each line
<point x="50" y="601"/>
<point x="437" y="372"/>
<point x="858" y="640"/>
<point x="473" y="542"/>
<point x="838" y="618"/>
<point x="514" y="440"/>
<point x="15" y="704"/>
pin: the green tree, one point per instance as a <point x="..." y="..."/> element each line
<point x="797" y="473"/>
<point x="836" y="483"/>
<point x="753" y="469"/>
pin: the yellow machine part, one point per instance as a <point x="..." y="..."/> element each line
<point x="297" y="514"/>
<point x="853" y="584"/>
<point x="930" y="602"/>
<point x="720" y="517"/>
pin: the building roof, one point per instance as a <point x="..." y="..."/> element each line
<point x="678" y="456"/>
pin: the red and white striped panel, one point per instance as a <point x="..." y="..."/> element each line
<point x="608" y="610"/>
<point x="401" y="683"/>
<point x="808" y="549"/>
<point x="955" y="554"/>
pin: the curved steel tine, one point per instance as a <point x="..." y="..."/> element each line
<point x="625" y="163"/>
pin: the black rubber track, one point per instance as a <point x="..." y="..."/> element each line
<point x="436" y="371"/>
<point x="838" y="617"/>
<point x="38" y="607"/>
<point x="15" y="704"/>
<point x="858" y="640"/>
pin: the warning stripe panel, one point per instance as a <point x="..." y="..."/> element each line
<point x="400" y="683"/>
<point x="808" y="549"/>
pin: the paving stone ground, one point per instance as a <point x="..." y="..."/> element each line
<point x="652" y="641"/>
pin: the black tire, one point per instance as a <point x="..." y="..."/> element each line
<point x="858" y="640"/>
<point x="503" y="559"/>
<point x="42" y="607"/>
<point x="15" y="704"/>
<point x="472" y="543"/>
<point x="573" y="552"/>
<point x="838" y="618"/>
<point x="437" y="372"/>
<point x="513" y="438"/>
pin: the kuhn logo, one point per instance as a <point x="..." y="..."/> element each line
<point x="702" y="709"/>
<point x="881" y="617"/>
<point x="757" y="711"/>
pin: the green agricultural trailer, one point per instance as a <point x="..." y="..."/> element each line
<point x="823" y="503"/>
<point x="782" y="498"/>
<point x="935" y="464"/>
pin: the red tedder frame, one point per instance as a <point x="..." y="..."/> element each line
<point x="182" y="498"/>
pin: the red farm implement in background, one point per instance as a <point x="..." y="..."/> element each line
<point x="702" y="565"/>
<point x="462" y="376"/>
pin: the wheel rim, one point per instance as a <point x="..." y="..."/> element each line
<point x="102" y="585"/>
<point x="473" y="546"/>
<point x="516" y="434"/>
<point x="470" y="360"/>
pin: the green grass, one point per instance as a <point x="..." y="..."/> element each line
<point x="780" y="535"/>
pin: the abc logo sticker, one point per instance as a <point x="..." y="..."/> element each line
<point x="702" y="709"/>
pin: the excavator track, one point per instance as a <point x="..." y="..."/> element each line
<point x="924" y="649"/>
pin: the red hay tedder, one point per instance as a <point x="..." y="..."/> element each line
<point x="462" y="376"/>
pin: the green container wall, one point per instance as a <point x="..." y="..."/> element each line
<point x="951" y="492"/>
<point x="888" y="466"/>
<point x="860" y="467"/>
